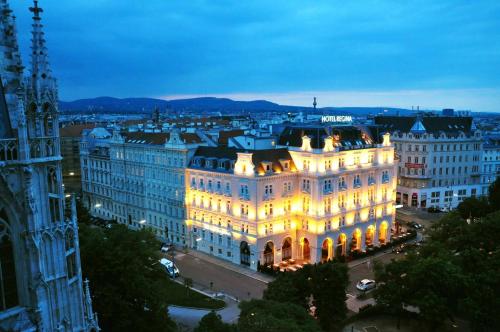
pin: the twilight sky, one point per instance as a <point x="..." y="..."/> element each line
<point x="347" y="53"/>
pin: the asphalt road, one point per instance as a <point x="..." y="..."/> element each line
<point x="204" y="273"/>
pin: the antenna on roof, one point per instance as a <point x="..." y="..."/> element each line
<point x="314" y="103"/>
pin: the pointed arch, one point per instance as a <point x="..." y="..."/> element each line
<point x="48" y="254"/>
<point x="8" y="278"/>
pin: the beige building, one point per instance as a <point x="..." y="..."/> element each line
<point x="323" y="192"/>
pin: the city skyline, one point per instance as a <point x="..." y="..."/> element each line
<point x="364" y="54"/>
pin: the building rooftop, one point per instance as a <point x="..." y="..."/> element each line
<point x="343" y="136"/>
<point x="157" y="138"/>
<point x="227" y="156"/>
<point x="450" y="125"/>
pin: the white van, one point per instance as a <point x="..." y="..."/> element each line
<point x="171" y="269"/>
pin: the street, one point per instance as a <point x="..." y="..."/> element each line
<point x="206" y="274"/>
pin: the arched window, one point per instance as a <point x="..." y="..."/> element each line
<point x="8" y="285"/>
<point x="244" y="253"/>
<point x="52" y="180"/>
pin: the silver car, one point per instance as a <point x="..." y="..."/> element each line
<point x="365" y="285"/>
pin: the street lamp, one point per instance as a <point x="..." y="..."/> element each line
<point x="142" y="222"/>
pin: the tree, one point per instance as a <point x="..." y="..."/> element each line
<point x="393" y="290"/>
<point x="291" y="287"/>
<point x="329" y="283"/>
<point x="473" y="207"/>
<point x="126" y="278"/>
<point x="212" y="322"/>
<point x="494" y="194"/>
<point x="451" y="274"/>
<point x="271" y="316"/>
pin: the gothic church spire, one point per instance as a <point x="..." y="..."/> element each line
<point x="43" y="84"/>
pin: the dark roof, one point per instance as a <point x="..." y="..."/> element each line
<point x="156" y="138"/>
<point x="75" y="130"/>
<point x="224" y="135"/>
<point x="228" y="155"/>
<point x="5" y="126"/>
<point x="344" y="136"/>
<point x="450" y="125"/>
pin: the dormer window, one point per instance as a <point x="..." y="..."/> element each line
<point x="287" y="165"/>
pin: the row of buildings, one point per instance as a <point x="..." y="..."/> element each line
<point x="311" y="192"/>
<point x="308" y="191"/>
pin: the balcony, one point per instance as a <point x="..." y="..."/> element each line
<point x="39" y="148"/>
<point x="268" y="197"/>
<point x="244" y="197"/>
<point x="8" y="149"/>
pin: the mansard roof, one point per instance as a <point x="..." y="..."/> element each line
<point x="450" y="125"/>
<point x="273" y="156"/>
<point x="156" y="138"/>
<point x="344" y="136"/>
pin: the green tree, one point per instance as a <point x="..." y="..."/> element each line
<point x="329" y="283"/>
<point x="450" y="275"/>
<point x="291" y="287"/>
<point x="212" y="322"/>
<point x="393" y="289"/>
<point x="473" y="207"/>
<point x="494" y="195"/>
<point x="126" y="278"/>
<point x="271" y="316"/>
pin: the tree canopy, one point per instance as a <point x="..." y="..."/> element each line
<point x="455" y="273"/>
<point x="126" y="278"/>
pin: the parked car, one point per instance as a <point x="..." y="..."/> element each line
<point x="415" y="225"/>
<point x="398" y="249"/>
<point x="366" y="284"/>
<point x="165" y="248"/>
<point x="433" y="209"/>
<point x="170" y="268"/>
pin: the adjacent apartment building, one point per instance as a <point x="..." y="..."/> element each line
<point x="137" y="179"/>
<point x="323" y="192"/>
<point x="439" y="159"/>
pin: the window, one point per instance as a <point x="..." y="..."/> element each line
<point x="8" y="286"/>
<point x="305" y="204"/>
<point x="357" y="181"/>
<point x="342" y="184"/>
<point x="306" y="185"/>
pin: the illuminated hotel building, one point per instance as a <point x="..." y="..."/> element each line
<point x="322" y="192"/>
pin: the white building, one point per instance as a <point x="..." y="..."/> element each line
<point x="490" y="161"/>
<point x="322" y="193"/>
<point x="137" y="179"/>
<point x="439" y="159"/>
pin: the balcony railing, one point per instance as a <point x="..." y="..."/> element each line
<point x="8" y="149"/>
<point x="40" y="147"/>
<point x="44" y="147"/>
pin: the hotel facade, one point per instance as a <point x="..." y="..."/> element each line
<point x="321" y="193"/>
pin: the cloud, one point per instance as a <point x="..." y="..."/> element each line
<point x="156" y="47"/>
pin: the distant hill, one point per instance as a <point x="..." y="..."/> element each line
<point x="223" y="105"/>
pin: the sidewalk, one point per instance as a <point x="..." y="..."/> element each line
<point x="230" y="266"/>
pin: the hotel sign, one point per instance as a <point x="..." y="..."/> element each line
<point x="336" y="118"/>
<point x="412" y="165"/>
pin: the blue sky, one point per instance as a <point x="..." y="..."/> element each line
<point x="348" y="53"/>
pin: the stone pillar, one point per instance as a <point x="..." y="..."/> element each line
<point x="363" y="242"/>
<point x="375" y="236"/>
